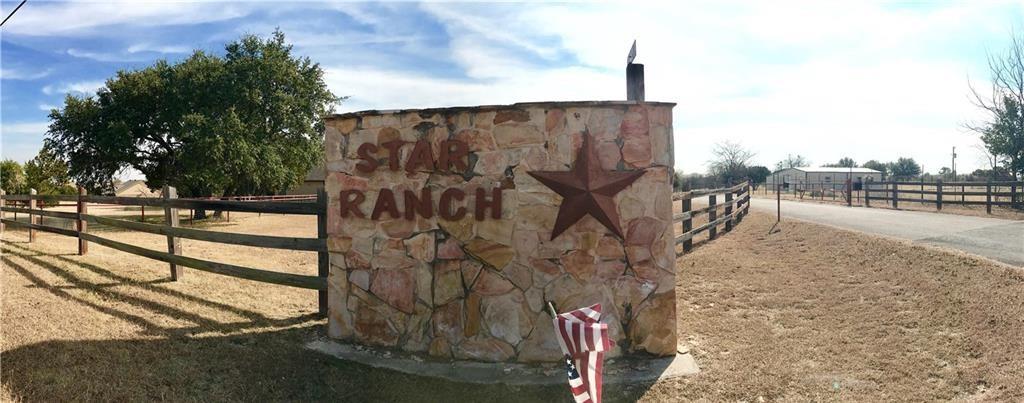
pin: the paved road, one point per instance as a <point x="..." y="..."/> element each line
<point x="995" y="238"/>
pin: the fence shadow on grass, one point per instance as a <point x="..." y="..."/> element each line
<point x="250" y="363"/>
<point x="103" y="289"/>
<point x="264" y="366"/>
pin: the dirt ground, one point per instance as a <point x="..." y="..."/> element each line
<point x="805" y="313"/>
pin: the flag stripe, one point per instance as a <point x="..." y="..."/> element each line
<point x="576" y="328"/>
<point x="583" y="338"/>
<point x="581" y="364"/>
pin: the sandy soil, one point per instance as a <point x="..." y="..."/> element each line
<point x="806" y="313"/>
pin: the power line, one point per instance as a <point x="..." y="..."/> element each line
<point x="12" y="12"/>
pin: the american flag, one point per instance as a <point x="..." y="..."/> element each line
<point x="583" y="339"/>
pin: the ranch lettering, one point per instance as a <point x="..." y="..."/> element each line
<point x="452" y="156"/>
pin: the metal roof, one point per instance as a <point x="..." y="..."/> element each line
<point x="833" y="170"/>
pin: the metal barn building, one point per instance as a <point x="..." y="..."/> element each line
<point x="818" y="177"/>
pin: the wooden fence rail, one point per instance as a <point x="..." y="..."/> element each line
<point x="938" y="193"/>
<point x="301" y="204"/>
<point x="995" y="193"/>
<point x="735" y="206"/>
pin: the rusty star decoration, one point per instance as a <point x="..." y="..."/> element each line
<point x="586" y="189"/>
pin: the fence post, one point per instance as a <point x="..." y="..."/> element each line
<point x="849" y="192"/>
<point x="687" y="223"/>
<point x="742" y="212"/>
<point x="323" y="260"/>
<point x="866" y="188"/>
<point x="778" y="203"/>
<point x="712" y="216"/>
<point x="938" y="194"/>
<point x="895" y="195"/>
<point x="3" y="203"/>
<point x="728" y="210"/>
<point x="82" y="208"/>
<point x="750" y="194"/>
<point x="922" y="190"/>
<point x="171" y="218"/>
<point x="31" y="218"/>
<point x="988" y="197"/>
<point x="1013" y="195"/>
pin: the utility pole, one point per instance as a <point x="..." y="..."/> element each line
<point x="954" y="164"/>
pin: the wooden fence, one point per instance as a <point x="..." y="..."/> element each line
<point x="735" y="206"/>
<point x="939" y="193"/>
<point x="171" y="229"/>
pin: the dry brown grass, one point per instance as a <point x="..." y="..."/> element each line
<point x="791" y="316"/>
<point x="787" y="316"/>
<point x="110" y="326"/>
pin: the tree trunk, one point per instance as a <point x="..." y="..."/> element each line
<point x="227" y="193"/>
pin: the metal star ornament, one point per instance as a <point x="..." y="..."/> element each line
<point x="587" y="189"/>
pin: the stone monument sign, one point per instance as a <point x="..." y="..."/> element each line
<point x="450" y="228"/>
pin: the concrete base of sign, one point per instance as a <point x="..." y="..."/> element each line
<point x="616" y="371"/>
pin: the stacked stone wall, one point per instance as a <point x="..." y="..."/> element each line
<point x="474" y="287"/>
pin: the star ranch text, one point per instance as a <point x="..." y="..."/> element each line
<point x="452" y="157"/>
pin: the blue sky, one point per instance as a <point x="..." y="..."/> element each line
<point x="821" y="79"/>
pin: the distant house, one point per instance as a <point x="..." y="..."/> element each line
<point x="829" y="177"/>
<point x="314" y="180"/>
<point x="135" y="188"/>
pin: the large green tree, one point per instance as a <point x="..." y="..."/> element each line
<point x="48" y="175"/>
<point x="248" y="122"/>
<point x="758" y="174"/>
<point x="876" y="165"/>
<point x="904" y="168"/>
<point x="1003" y="137"/>
<point x="12" y="177"/>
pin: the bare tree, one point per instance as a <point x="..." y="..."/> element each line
<point x="730" y="161"/>
<point x="1003" y="132"/>
<point x="991" y="160"/>
<point x="792" y="161"/>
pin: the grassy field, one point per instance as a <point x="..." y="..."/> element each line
<point x="786" y="316"/>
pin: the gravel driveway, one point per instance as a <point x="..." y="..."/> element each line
<point x="994" y="238"/>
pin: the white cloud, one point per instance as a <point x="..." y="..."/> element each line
<point x="21" y="74"/>
<point x="867" y="80"/>
<point x="371" y="88"/>
<point x="133" y="53"/>
<point x="823" y="80"/>
<point x="8" y="130"/>
<point x="101" y="56"/>
<point x="47" y="107"/>
<point x="78" y="88"/>
<point x="164" y="49"/>
<point x="43" y="19"/>
<point x="498" y="27"/>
